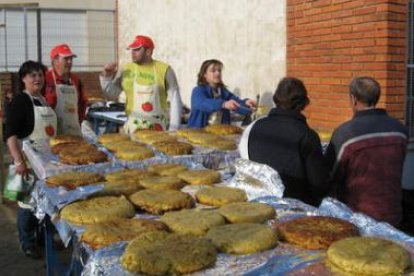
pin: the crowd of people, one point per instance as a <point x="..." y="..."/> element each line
<point x="362" y="165"/>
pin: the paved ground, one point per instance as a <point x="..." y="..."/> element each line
<point x="12" y="260"/>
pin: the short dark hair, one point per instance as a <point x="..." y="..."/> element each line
<point x="291" y="94"/>
<point x="365" y="90"/>
<point x="28" y="67"/>
<point x="201" y="80"/>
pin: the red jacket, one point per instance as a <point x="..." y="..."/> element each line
<point x="50" y="91"/>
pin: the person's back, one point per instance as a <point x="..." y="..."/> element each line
<point x="370" y="152"/>
<point x="284" y="141"/>
<point x="367" y="155"/>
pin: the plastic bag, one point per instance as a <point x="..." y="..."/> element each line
<point x="17" y="188"/>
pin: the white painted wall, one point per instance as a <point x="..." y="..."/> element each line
<point x="248" y="36"/>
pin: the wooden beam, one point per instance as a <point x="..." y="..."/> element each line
<point x="19" y="5"/>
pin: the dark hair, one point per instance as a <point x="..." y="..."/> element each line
<point x="201" y="80"/>
<point x="291" y="94"/>
<point x="365" y="90"/>
<point x="28" y="67"/>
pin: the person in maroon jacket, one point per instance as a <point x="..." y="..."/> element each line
<point x="366" y="156"/>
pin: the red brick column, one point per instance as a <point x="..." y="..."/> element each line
<point x="91" y="82"/>
<point x="6" y="80"/>
<point x="331" y="41"/>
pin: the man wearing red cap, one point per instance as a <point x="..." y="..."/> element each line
<point x="65" y="92"/>
<point x="153" y="99"/>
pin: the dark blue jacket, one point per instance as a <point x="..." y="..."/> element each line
<point x="284" y="141"/>
<point x="203" y="105"/>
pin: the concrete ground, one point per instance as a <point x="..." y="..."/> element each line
<point x="12" y="260"/>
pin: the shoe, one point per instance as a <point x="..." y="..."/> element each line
<point x="34" y="254"/>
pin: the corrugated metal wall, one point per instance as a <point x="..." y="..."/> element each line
<point x="30" y="33"/>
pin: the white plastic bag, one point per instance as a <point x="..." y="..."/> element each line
<point x="16" y="187"/>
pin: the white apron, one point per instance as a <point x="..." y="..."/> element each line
<point x="45" y="126"/>
<point x="45" y="120"/>
<point x="67" y="109"/>
<point x="147" y="112"/>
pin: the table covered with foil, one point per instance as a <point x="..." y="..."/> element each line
<point x="45" y="163"/>
<point x="262" y="184"/>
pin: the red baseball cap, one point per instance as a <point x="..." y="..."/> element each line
<point x="141" y="41"/>
<point x="61" y="50"/>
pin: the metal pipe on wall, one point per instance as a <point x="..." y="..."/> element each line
<point x="26" y="36"/>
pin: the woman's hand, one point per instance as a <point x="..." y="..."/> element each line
<point x="231" y="105"/>
<point x="250" y="103"/>
<point x="21" y="168"/>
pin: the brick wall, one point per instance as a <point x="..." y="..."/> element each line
<point x="91" y="82"/>
<point x="6" y="80"/>
<point x="331" y="41"/>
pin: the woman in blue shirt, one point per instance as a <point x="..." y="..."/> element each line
<point x="211" y="102"/>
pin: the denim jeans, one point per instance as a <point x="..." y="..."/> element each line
<point x="27" y="225"/>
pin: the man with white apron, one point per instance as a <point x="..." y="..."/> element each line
<point x="28" y="117"/>
<point x="65" y="92"/>
<point x="153" y="100"/>
<point x="147" y="110"/>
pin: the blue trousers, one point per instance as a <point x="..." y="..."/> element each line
<point x="27" y="225"/>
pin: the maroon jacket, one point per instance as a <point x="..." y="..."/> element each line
<point x="366" y="155"/>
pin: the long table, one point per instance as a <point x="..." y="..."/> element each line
<point x="281" y="260"/>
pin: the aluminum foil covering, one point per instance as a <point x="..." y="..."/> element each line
<point x="45" y="164"/>
<point x="288" y="208"/>
<point x="88" y="134"/>
<point x="284" y="259"/>
<point x="278" y="261"/>
<point x="262" y="184"/>
<point x="218" y="160"/>
<point x="106" y="262"/>
<point x="211" y="159"/>
<point x="60" y="197"/>
<point x="50" y="200"/>
<point x="367" y="225"/>
<point x="256" y="179"/>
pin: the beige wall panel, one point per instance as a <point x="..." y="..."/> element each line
<point x="248" y="36"/>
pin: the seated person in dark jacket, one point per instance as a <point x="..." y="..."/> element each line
<point x="284" y="141"/>
<point x="211" y="102"/>
<point x="366" y="155"/>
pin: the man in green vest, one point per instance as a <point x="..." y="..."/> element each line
<point x="153" y="98"/>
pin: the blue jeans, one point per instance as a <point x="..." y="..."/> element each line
<point x="27" y="225"/>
